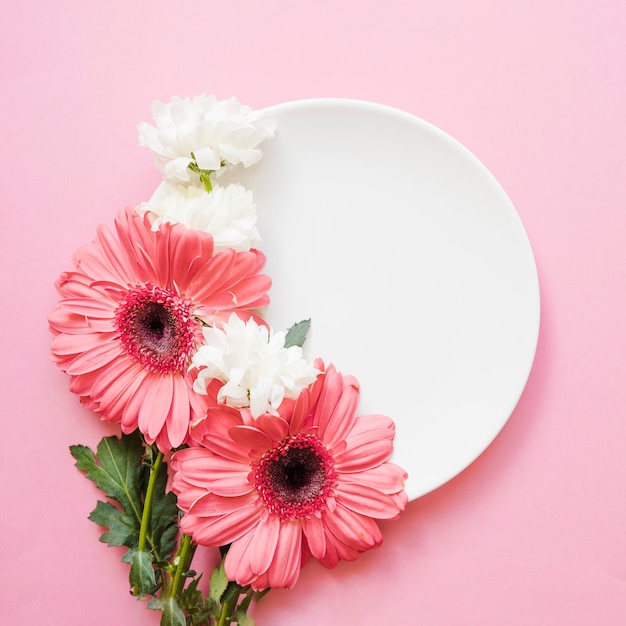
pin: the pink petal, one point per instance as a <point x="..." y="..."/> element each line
<point x="89" y="306"/>
<point x="223" y="530"/>
<point x="369" y="427"/>
<point x="355" y="530"/>
<point x="188" y="495"/>
<point x="219" y="420"/>
<point x="130" y="413"/>
<point x="75" y="344"/>
<point x="251" y="292"/>
<point x="331" y="392"/>
<point x="177" y="422"/>
<point x="181" y="458"/>
<point x="95" y="358"/>
<point x="274" y="427"/>
<point x="226" y="448"/>
<point x="188" y="248"/>
<point x="366" y="501"/>
<point x="211" y="277"/>
<point x="198" y="402"/>
<point x="223" y="477"/>
<point x="214" y="506"/>
<point x="112" y="253"/>
<point x="102" y="259"/>
<point x="364" y="457"/>
<point x="156" y="405"/>
<point x="116" y="385"/>
<point x="339" y="551"/>
<point x="369" y="443"/>
<point x="82" y="385"/>
<point x="63" y="320"/>
<point x="342" y="418"/>
<point x="237" y="562"/>
<point x="263" y="545"/>
<point x="315" y="536"/>
<point x="301" y="414"/>
<point x="251" y="438"/>
<point x="137" y="242"/>
<point x="230" y="280"/>
<point x="388" y="478"/>
<point x="285" y="567"/>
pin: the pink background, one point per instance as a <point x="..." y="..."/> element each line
<point x="533" y="532"/>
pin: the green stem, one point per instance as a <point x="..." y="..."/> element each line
<point x="206" y="180"/>
<point x="205" y="175"/>
<point x="228" y="606"/>
<point x="147" y="505"/>
<point x="183" y="560"/>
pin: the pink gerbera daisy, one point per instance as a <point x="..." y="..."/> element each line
<point x="130" y="319"/>
<point x="311" y="481"/>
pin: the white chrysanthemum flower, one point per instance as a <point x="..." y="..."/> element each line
<point x="254" y="365"/>
<point x="227" y="213"/>
<point x="203" y="132"/>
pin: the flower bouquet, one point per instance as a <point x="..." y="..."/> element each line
<point x="229" y="437"/>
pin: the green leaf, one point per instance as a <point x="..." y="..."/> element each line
<point x="142" y="578"/>
<point x="119" y="470"/>
<point x="172" y="613"/>
<point x="123" y="530"/>
<point x="116" y="469"/>
<point x="218" y="583"/>
<point x="296" y="335"/>
<point x="154" y="604"/>
<point x="195" y="605"/>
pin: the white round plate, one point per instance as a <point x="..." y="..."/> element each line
<point x="413" y="266"/>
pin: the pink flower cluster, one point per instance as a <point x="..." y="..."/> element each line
<point x="130" y="319"/>
<point x="309" y="479"/>
<point x="308" y="482"/>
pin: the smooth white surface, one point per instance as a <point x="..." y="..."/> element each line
<point x="413" y="266"/>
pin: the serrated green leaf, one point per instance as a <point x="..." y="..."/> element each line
<point x="195" y="605"/>
<point x="123" y="530"/>
<point x="191" y="591"/>
<point x="142" y="577"/>
<point x="296" y="335"/>
<point x="154" y="604"/>
<point x="116" y="469"/>
<point x="218" y="583"/>
<point x="172" y="613"/>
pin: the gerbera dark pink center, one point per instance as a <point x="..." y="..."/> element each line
<point x="157" y="328"/>
<point x="295" y="477"/>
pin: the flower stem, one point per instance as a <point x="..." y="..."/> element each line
<point x="183" y="560"/>
<point x="205" y="175"/>
<point x="205" y="180"/>
<point x="227" y="608"/>
<point x="147" y="506"/>
<point x="229" y="603"/>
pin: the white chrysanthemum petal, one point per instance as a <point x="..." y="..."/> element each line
<point x="177" y="169"/>
<point x="260" y="396"/>
<point x="277" y="395"/>
<point x="218" y="133"/>
<point x="206" y="158"/>
<point x="252" y="362"/>
<point x="233" y="395"/>
<point x="227" y="213"/>
<point x="200" y="383"/>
